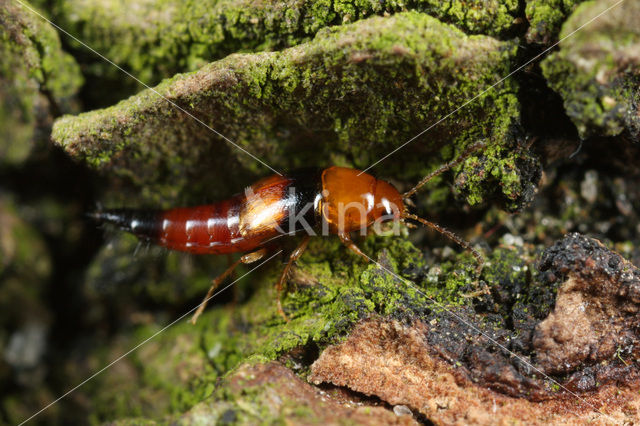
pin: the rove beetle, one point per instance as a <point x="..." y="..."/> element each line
<point x="337" y="200"/>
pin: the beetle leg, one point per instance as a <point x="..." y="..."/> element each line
<point x="462" y="243"/>
<point x="247" y="258"/>
<point x="346" y="240"/>
<point x="295" y="255"/>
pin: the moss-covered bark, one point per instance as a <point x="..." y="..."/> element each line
<point x="36" y="79"/>
<point x="546" y="18"/>
<point x="597" y="71"/>
<point x="330" y="83"/>
<point x="326" y="101"/>
<point x="155" y="40"/>
<point x="331" y="291"/>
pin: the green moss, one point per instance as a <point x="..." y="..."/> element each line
<point x="240" y="401"/>
<point x="506" y="174"/>
<point x="596" y="71"/>
<point x="546" y="18"/>
<point x="155" y="40"/>
<point x="330" y="290"/>
<point x="34" y="74"/>
<point x="506" y="265"/>
<point x="324" y="99"/>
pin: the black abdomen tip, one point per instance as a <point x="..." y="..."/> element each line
<point x="144" y="224"/>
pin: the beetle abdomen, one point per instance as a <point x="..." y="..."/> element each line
<point x="238" y="224"/>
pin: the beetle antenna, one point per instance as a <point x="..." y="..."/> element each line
<point x="453" y="237"/>
<point x="473" y="148"/>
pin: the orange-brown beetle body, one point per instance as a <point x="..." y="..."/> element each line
<point x="343" y="199"/>
<point x="335" y="200"/>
